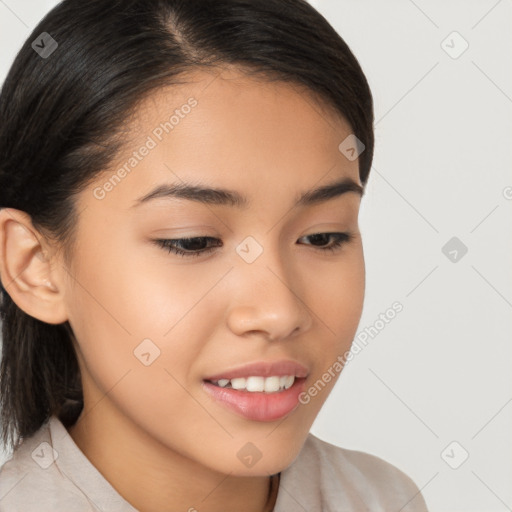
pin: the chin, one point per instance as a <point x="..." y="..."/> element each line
<point x="262" y="455"/>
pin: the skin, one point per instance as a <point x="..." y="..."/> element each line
<point x="152" y="431"/>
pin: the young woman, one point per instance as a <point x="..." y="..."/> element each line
<point x="182" y="270"/>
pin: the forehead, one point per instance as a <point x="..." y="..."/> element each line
<point x="229" y="130"/>
<point x="227" y="89"/>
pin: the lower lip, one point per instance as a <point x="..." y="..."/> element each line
<point x="258" y="406"/>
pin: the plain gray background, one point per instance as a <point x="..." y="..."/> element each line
<point x="430" y="391"/>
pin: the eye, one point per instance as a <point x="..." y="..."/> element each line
<point x="196" y="246"/>
<point x="339" y="240"/>
<point x="193" y="246"/>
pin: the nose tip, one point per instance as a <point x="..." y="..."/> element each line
<point x="265" y="302"/>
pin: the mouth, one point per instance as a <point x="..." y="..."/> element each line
<point x="259" y="392"/>
<point x="257" y="384"/>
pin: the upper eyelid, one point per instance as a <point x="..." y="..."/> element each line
<point x="343" y="238"/>
<point x="348" y="234"/>
<point x="194" y="237"/>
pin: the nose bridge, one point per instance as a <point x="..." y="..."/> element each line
<point x="267" y="295"/>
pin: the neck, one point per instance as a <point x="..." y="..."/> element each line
<point x="154" y="478"/>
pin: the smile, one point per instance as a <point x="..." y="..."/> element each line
<point x="272" y="384"/>
<point x="257" y="398"/>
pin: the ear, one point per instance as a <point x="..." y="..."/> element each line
<point x="25" y="268"/>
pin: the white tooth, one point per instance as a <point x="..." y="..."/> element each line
<point x="238" y="383"/>
<point x="289" y="381"/>
<point x="272" y="384"/>
<point x="255" y="384"/>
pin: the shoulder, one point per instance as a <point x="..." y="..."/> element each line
<point x="30" y="481"/>
<point x="329" y="474"/>
<point x="355" y="463"/>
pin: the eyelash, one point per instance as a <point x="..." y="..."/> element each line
<point x="169" y="244"/>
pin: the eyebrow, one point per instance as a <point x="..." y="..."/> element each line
<point x="232" y="198"/>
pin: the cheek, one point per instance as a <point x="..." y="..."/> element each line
<point x="338" y="305"/>
<point x="138" y="338"/>
<point x="338" y="296"/>
<point x="141" y="325"/>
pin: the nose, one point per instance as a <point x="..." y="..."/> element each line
<point x="266" y="298"/>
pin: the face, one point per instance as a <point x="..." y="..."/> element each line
<point x="264" y="280"/>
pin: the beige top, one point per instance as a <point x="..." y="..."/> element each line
<point x="322" y="478"/>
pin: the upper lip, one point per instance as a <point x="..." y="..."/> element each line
<point x="264" y="369"/>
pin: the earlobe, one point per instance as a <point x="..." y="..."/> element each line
<point x="25" y="268"/>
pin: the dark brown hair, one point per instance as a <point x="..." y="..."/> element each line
<point x="60" y="122"/>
